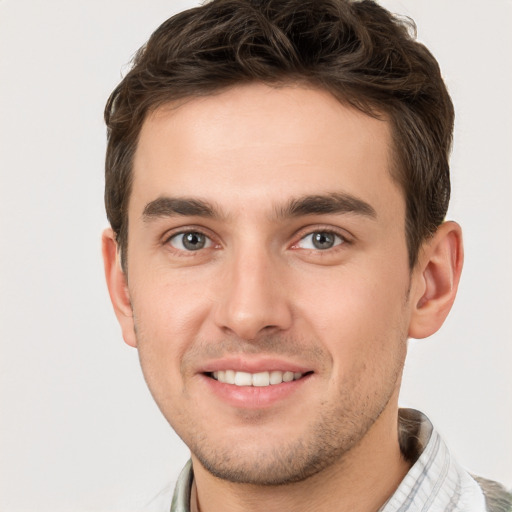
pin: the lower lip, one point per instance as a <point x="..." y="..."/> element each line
<point x="254" y="397"/>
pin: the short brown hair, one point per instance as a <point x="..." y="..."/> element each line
<point x="358" y="51"/>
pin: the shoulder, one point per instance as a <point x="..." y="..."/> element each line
<point x="497" y="497"/>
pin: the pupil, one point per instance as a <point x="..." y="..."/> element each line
<point x="323" y="240"/>
<point x="194" y="241"/>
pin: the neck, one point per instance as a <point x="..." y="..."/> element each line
<point x="361" y="481"/>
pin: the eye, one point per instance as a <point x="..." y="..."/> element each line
<point x="190" y="241"/>
<point x="320" y="241"/>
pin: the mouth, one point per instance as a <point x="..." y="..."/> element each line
<point x="259" y="379"/>
<point x="254" y="383"/>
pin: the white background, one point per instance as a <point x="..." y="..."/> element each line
<point x="78" y="429"/>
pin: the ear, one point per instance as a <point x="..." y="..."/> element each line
<point x="118" y="286"/>
<point x="435" y="281"/>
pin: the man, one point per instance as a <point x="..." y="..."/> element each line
<point x="276" y="181"/>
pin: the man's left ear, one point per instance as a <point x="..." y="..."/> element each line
<point x="435" y="281"/>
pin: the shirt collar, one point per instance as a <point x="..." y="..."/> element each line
<point x="182" y="491"/>
<point x="435" y="481"/>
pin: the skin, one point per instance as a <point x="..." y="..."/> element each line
<point x="260" y="293"/>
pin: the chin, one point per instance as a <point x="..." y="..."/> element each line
<point x="275" y="463"/>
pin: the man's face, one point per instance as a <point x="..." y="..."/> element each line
<point x="267" y="243"/>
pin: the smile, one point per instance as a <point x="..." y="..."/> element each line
<point x="259" y="379"/>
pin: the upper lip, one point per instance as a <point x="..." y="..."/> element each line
<point x="253" y="365"/>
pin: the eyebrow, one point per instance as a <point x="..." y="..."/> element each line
<point x="324" y="204"/>
<point x="320" y="204"/>
<point x="173" y="206"/>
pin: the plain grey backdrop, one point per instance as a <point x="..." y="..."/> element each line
<point x="78" y="429"/>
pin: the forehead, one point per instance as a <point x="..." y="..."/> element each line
<point x="256" y="142"/>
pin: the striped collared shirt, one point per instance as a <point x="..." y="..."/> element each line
<point x="435" y="482"/>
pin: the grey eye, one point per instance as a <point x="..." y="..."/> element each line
<point x="190" y="241"/>
<point x="320" y="240"/>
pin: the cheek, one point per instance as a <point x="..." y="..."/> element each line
<point x="169" y="313"/>
<point x="358" y="315"/>
<point x="171" y="300"/>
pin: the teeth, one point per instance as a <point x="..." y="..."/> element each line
<point x="260" y="379"/>
<point x="243" y="379"/>
<point x="287" y="376"/>
<point x="276" y="377"/>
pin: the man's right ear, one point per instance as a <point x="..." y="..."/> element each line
<point x="118" y="286"/>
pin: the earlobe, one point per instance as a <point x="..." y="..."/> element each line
<point x="117" y="286"/>
<point x="435" y="280"/>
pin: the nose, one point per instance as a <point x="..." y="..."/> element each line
<point x="254" y="298"/>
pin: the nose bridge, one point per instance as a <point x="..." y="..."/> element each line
<point x="252" y="299"/>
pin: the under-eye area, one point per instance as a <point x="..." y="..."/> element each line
<point x="259" y="379"/>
